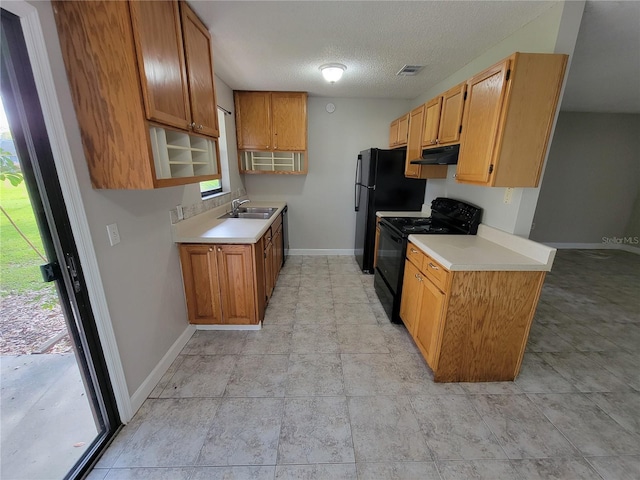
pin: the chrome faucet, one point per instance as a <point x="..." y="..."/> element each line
<point x="235" y="205"/>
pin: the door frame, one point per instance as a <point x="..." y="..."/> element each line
<point x="45" y="85"/>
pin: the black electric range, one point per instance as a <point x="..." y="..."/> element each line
<point x="448" y="217"/>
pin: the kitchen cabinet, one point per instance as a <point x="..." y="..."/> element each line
<point x="271" y="122"/>
<point x="219" y="284"/>
<point x="399" y="131"/>
<point x="273" y="247"/>
<point x="414" y="149"/>
<point x="443" y="118"/>
<point x="141" y="79"/>
<point x="507" y="120"/>
<point x="470" y="326"/>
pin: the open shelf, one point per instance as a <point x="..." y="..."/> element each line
<point x="180" y="155"/>
<point x="273" y="162"/>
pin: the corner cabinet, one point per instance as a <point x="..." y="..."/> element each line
<point x="470" y="326"/>
<point x="399" y="131"/>
<point x="135" y="68"/>
<point x="271" y="130"/>
<point x="414" y="149"/>
<point x="507" y="120"/>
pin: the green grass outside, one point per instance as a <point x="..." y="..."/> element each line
<point x="19" y="264"/>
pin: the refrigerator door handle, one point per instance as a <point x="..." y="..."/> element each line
<point x="357" y="184"/>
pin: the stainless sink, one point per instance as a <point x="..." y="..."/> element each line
<point x="260" y="213"/>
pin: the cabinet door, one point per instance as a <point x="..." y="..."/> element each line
<point x="158" y="35"/>
<point x="202" y="290"/>
<point x="483" y="107"/>
<point x="414" y="142"/>
<point x="268" y="268"/>
<point x="289" y="121"/>
<point x="411" y="292"/>
<point x="431" y="122"/>
<point x="278" y="247"/>
<point x="197" y="45"/>
<point x="429" y="320"/>
<point x="235" y="272"/>
<point x="253" y="120"/>
<point x="393" y="133"/>
<point x="451" y="114"/>
<point x="403" y="130"/>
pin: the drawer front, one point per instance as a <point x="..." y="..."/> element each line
<point x="267" y="236"/>
<point x="435" y="272"/>
<point x="415" y="255"/>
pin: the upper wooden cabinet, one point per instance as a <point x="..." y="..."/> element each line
<point x="177" y="90"/>
<point x="507" y="120"/>
<point x="271" y="122"/>
<point x="399" y="132"/>
<point x="137" y="96"/>
<point x="414" y="149"/>
<point x="443" y="119"/>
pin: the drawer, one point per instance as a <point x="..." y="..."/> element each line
<point x="415" y="255"/>
<point x="435" y="272"/>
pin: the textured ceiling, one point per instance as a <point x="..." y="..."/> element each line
<point x="280" y="45"/>
<point x="605" y="70"/>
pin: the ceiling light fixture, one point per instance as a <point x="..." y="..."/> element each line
<point x="332" y="72"/>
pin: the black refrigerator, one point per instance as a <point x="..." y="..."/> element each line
<point x="380" y="184"/>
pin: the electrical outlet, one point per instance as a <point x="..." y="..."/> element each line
<point x="508" y="195"/>
<point x="114" y="234"/>
<point x="180" y="212"/>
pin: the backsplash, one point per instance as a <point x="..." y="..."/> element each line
<point x="206" y="204"/>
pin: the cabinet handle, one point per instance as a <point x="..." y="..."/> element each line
<point x="419" y="277"/>
<point x="200" y="127"/>
<point x="211" y="249"/>
<point x="413" y="250"/>
<point x="433" y="266"/>
<point x="219" y="249"/>
<point x="192" y="125"/>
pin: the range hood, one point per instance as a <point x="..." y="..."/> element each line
<point x="438" y="156"/>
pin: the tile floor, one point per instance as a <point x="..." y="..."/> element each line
<point x="329" y="389"/>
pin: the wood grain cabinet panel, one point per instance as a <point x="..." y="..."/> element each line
<point x="393" y="134"/>
<point x="235" y="273"/>
<point x="126" y="67"/>
<point x="199" y="58"/>
<point x="470" y="326"/>
<point x="253" y="120"/>
<point x="160" y="53"/>
<point x="451" y="113"/>
<point x="403" y="130"/>
<point x="414" y="149"/>
<point x="431" y="122"/>
<point x="287" y="112"/>
<point x="202" y="289"/>
<point x="507" y="120"/>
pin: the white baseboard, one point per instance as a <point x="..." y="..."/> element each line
<point x="594" y="246"/>
<point x="228" y="327"/>
<point x="144" y="390"/>
<point x="318" y="251"/>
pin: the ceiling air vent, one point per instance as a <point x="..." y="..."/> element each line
<point x="410" y="70"/>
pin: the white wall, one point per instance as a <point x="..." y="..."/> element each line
<point x="553" y="32"/>
<point x="592" y="179"/>
<point x="141" y="275"/>
<point x="231" y="181"/>
<point x="321" y="203"/>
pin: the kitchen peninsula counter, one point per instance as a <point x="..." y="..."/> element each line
<point x="489" y="250"/>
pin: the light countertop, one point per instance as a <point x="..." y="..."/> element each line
<point x="426" y="212"/>
<point x="208" y="228"/>
<point x="490" y="250"/>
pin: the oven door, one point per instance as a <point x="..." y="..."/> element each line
<point x="391" y="248"/>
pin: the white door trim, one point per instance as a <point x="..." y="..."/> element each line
<point x="42" y="73"/>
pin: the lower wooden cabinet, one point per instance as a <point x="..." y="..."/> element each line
<point x="470" y="326"/>
<point x="232" y="283"/>
<point x="219" y="284"/>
